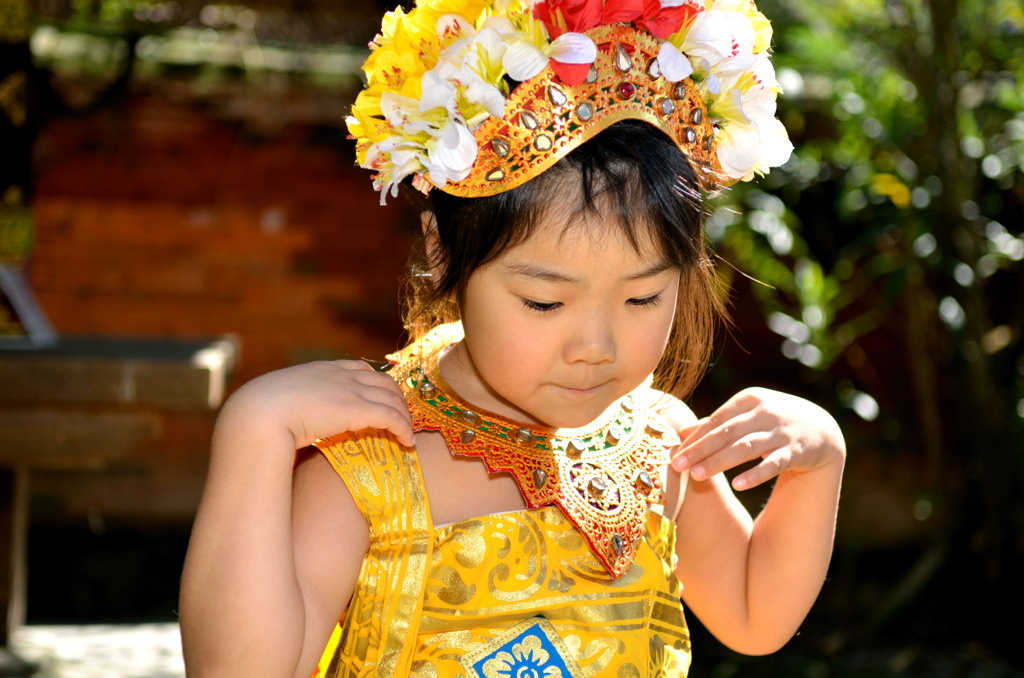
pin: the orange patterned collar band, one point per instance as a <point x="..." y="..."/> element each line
<point x="603" y="478"/>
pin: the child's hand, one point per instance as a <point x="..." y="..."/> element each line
<point x="788" y="433"/>
<point x="320" y="399"/>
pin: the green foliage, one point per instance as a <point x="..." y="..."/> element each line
<point x="888" y="252"/>
<point x="909" y="161"/>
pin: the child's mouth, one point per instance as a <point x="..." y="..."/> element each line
<point x="583" y="391"/>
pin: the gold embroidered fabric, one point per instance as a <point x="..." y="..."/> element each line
<point x="516" y="593"/>
<point x="384" y="479"/>
<point x="602" y="478"/>
<point x="446" y="603"/>
<point x="491" y="573"/>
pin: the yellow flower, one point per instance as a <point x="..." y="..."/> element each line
<point x="762" y="31"/>
<point x="396" y="71"/>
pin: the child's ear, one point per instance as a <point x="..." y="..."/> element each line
<point x="431" y="242"/>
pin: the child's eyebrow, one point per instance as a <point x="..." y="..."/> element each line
<point x="526" y="270"/>
<point x="651" y="271"/>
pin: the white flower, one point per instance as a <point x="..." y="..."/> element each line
<point x="437" y="93"/>
<point x="748" y="149"/>
<point x="472" y="64"/>
<point x="453" y="26"/>
<point x="675" y="65"/>
<point x="709" y="37"/>
<point x="711" y="83"/>
<point x="524" y="59"/>
<point x="751" y="139"/>
<point x="749" y="95"/>
<point x="764" y="72"/>
<point x="738" y="150"/>
<point x="450" y="155"/>
<point x="394" y="159"/>
<point x="481" y="69"/>
<point x="430" y="135"/>
<point x="573" y="48"/>
<point x="776" y="146"/>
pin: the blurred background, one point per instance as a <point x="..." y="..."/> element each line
<point x="179" y="213"/>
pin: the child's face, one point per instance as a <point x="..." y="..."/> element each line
<point x="561" y="326"/>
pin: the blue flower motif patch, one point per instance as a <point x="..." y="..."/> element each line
<point x="531" y="649"/>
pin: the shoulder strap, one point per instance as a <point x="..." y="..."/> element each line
<point x="381" y="622"/>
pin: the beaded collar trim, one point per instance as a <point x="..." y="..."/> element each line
<point x="602" y="478"/>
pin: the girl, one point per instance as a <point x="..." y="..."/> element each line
<point x="514" y="497"/>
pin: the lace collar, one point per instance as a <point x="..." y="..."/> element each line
<point x="602" y="477"/>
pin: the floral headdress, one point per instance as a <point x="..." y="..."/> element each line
<point x="476" y="97"/>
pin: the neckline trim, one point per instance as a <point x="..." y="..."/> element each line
<point x="603" y="477"/>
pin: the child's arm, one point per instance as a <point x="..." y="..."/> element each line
<point x="752" y="582"/>
<point x="276" y="546"/>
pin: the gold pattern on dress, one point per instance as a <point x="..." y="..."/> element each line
<point x="606" y="624"/>
<point x="589" y="474"/>
<point x="384" y="612"/>
<point x="426" y="596"/>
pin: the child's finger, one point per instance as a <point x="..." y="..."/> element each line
<point x="687" y="432"/>
<point x="771" y="467"/>
<point x="702" y="445"/>
<point x="371" y="377"/>
<point x="752" y="446"/>
<point x="711" y="439"/>
<point x="385" y="396"/>
<point x="388" y="418"/>
<point x="736" y="408"/>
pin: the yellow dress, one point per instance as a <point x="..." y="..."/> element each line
<point x="498" y="596"/>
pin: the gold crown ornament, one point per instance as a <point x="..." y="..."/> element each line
<point x="476" y="97"/>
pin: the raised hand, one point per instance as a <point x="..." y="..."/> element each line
<point x="787" y="433"/>
<point x="319" y="399"/>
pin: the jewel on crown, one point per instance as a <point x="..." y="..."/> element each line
<point x="476" y="97"/>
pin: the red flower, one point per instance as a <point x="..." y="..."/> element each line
<point x="578" y="16"/>
<point x="664" y="21"/>
<point x="568" y="16"/>
<point x="622" y="11"/>
<point x="570" y="74"/>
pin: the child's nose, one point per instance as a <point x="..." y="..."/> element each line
<point x="592" y="341"/>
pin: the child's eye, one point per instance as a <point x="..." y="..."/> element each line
<point x="541" y="306"/>
<point x="645" y="301"/>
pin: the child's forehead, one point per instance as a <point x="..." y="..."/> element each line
<point x="564" y="226"/>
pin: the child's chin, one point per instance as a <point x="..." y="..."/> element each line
<point x="579" y="419"/>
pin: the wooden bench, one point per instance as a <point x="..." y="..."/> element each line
<point x="80" y="403"/>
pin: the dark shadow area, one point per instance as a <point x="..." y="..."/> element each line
<point x="108" y="575"/>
